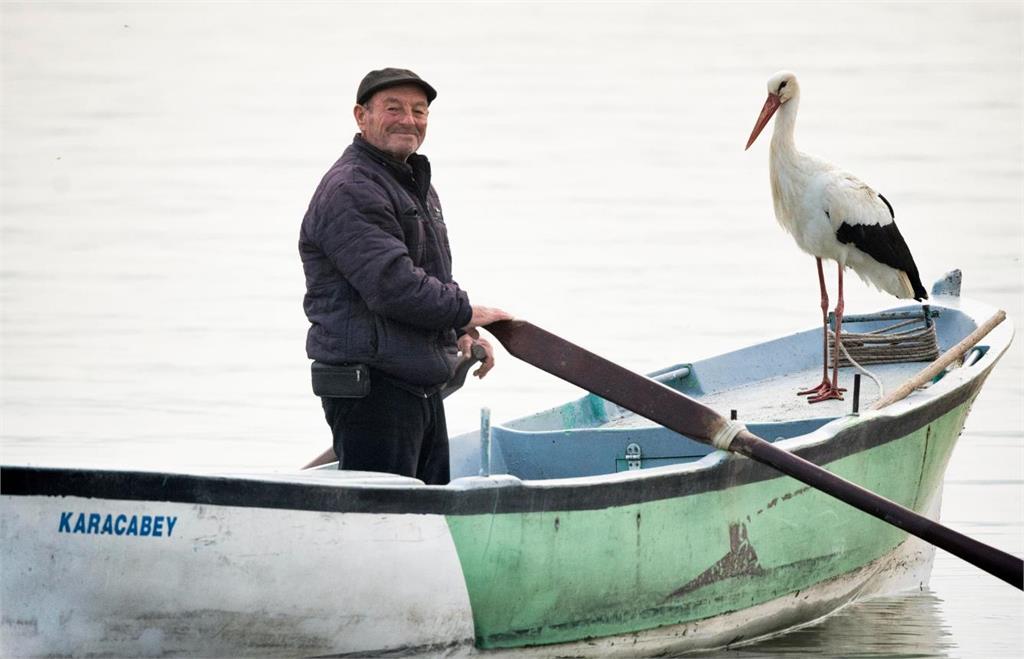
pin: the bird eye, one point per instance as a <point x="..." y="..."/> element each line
<point x="783" y="85"/>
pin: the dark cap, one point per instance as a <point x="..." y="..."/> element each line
<point x="374" y="81"/>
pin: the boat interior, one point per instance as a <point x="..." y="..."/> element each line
<point x="757" y="385"/>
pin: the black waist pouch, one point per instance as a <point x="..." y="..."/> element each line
<point x="347" y="381"/>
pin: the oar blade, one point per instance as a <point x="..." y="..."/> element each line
<point x="651" y="400"/>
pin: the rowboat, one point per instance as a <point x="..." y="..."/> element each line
<point x="582" y="530"/>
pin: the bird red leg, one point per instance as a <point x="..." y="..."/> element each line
<point x="825" y="385"/>
<point x="832" y="390"/>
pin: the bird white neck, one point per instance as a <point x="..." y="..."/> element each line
<point x="786" y="167"/>
<point x="785" y="126"/>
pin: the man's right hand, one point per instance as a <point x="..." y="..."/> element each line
<point x="485" y="316"/>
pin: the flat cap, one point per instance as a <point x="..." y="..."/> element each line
<point x="374" y="81"/>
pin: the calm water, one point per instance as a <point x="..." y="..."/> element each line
<point x="157" y="159"/>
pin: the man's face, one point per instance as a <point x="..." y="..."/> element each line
<point x="394" y="120"/>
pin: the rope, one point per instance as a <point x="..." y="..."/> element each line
<point x="874" y="378"/>
<point x="886" y="346"/>
<point x="726" y="433"/>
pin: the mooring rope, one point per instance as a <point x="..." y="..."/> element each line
<point x="887" y="346"/>
<point x="874" y="378"/>
<point x="899" y="342"/>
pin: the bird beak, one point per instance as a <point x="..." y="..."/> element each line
<point x="771" y="104"/>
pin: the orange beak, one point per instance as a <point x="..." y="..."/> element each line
<point x="771" y="104"/>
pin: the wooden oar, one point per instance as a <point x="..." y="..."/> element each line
<point x="940" y="364"/>
<point x="686" y="416"/>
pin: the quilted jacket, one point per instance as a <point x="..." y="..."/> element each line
<point x="378" y="268"/>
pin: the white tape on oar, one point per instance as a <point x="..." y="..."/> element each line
<point x="726" y="433"/>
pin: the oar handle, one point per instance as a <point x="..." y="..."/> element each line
<point x="477" y="353"/>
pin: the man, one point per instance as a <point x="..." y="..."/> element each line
<point x="379" y="292"/>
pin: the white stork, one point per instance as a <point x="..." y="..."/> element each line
<point x="832" y="215"/>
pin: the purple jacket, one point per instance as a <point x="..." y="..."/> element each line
<point x="378" y="266"/>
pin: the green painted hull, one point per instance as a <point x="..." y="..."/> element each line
<point x="555" y="576"/>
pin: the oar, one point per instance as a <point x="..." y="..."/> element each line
<point x="686" y="416"/>
<point x="940" y="364"/>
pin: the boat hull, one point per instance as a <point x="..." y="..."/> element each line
<point x="732" y="556"/>
<point x="749" y="538"/>
<point x="713" y="550"/>
<point x="225" y="581"/>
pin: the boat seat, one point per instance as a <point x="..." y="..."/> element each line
<point x="541" y="455"/>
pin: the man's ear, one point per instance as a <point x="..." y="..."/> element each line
<point x="359" y="112"/>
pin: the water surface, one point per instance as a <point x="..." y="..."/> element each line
<point x="157" y="158"/>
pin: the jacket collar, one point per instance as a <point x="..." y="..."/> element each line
<point x="416" y="169"/>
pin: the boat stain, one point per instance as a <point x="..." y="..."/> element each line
<point x="924" y="466"/>
<point x="638" y="536"/>
<point x="785" y="497"/>
<point x="740" y="560"/>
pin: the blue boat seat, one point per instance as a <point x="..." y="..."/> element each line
<point x="539" y="455"/>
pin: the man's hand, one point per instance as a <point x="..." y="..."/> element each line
<point x="466" y="342"/>
<point x="485" y="316"/>
<point x="481" y="316"/>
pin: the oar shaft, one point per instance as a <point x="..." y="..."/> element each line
<point x="996" y="562"/>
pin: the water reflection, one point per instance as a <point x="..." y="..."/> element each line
<point x="906" y="625"/>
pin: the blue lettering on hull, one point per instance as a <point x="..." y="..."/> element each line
<point x="147" y="526"/>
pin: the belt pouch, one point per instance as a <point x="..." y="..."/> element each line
<point x="340" y="381"/>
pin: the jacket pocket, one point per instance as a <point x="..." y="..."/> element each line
<point x="413" y="355"/>
<point x="415" y="233"/>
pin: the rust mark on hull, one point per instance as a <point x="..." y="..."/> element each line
<point x="741" y="559"/>
<point x="785" y="497"/>
<point x="924" y="467"/>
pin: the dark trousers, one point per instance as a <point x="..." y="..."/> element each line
<point x="391" y="430"/>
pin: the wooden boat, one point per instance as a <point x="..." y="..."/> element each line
<point x="592" y="533"/>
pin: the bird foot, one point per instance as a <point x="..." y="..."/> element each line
<point x="830" y="393"/>
<point x="822" y="388"/>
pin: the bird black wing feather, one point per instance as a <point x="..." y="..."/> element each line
<point x="885" y="244"/>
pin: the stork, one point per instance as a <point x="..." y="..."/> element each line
<point x="832" y="215"/>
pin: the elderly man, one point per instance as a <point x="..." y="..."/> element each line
<point x="382" y="305"/>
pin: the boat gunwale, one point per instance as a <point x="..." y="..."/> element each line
<point x="844" y="436"/>
<point x="504" y="496"/>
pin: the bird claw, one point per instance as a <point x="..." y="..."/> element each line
<point x="832" y="393"/>
<point x="824" y="391"/>
<point x="818" y="390"/>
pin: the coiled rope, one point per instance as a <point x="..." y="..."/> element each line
<point x="888" y="346"/>
<point x="900" y="342"/>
